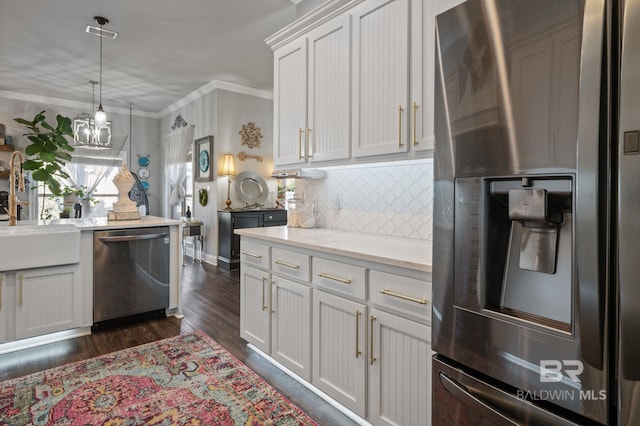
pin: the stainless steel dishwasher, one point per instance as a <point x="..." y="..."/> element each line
<point x="130" y="275"/>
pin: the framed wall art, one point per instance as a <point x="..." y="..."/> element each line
<point x="202" y="158"/>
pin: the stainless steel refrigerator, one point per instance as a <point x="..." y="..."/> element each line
<point x="536" y="266"/>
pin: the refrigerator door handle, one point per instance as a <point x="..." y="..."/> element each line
<point x="497" y="406"/>
<point x="464" y="395"/>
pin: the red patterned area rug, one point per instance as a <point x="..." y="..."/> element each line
<point x="184" y="380"/>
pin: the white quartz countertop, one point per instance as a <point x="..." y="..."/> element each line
<point x="98" y="223"/>
<point x="397" y="251"/>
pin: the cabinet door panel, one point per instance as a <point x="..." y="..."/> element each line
<point x="47" y="300"/>
<point x="329" y="76"/>
<point x="290" y="113"/>
<point x="339" y="331"/>
<point x="291" y="326"/>
<point x="423" y="15"/>
<point x="399" y="378"/>
<point x="3" y="307"/>
<point x="255" y="307"/>
<point x="380" y="84"/>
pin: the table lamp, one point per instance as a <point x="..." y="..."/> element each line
<point x="228" y="169"/>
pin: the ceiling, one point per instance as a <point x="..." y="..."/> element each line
<point x="165" y="49"/>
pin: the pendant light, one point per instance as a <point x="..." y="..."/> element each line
<point x="100" y="119"/>
<point x="85" y="133"/>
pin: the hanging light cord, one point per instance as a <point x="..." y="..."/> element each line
<point x="101" y="37"/>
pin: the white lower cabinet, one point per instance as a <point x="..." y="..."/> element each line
<point x="3" y="307"/>
<point x="47" y="300"/>
<point x="275" y="316"/>
<point x="358" y="331"/>
<point x="255" y="314"/>
<point x="399" y="370"/>
<point x="291" y="326"/>
<point x="339" y="350"/>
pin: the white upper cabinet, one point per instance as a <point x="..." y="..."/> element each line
<point x="290" y="102"/>
<point x="380" y="77"/>
<point x="329" y="91"/>
<point x="311" y="105"/>
<point x="354" y="82"/>
<point x="423" y="29"/>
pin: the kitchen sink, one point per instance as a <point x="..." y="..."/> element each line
<point x="34" y="246"/>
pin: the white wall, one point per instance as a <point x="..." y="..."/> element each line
<point x="222" y="113"/>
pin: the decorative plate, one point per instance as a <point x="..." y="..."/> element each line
<point x="251" y="188"/>
<point x="203" y="161"/>
<point x="203" y="197"/>
<point x="143" y="161"/>
<point x="145" y="185"/>
<point x="143" y="173"/>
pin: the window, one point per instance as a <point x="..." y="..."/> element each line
<point x="93" y="172"/>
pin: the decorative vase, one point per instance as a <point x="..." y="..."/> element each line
<point x="124" y="208"/>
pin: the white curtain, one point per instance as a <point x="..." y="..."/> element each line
<point x="90" y="166"/>
<point x="176" y="162"/>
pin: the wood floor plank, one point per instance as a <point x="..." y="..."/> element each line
<point x="211" y="303"/>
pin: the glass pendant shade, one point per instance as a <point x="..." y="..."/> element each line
<point x="100" y="118"/>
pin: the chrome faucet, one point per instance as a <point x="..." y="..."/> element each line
<point x="13" y="198"/>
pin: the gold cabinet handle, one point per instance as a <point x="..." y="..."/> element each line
<point x="415" y="118"/>
<point x="372" y="359"/>
<point x="358" y="351"/>
<point x="400" y="109"/>
<point x="334" y="278"/>
<point x="271" y="283"/>
<point x="288" y="265"/>
<point x="300" y="132"/>
<point x="264" y="307"/>
<point x="20" y="279"/>
<point x="388" y="292"/>
<point x="255" y="256"/>
<point x="309" y="143"/>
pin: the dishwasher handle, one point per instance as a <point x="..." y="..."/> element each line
<point x="121" y="238"/>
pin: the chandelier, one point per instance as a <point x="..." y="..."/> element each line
<point x="85" y="132"/>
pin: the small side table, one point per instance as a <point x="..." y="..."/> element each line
<point x="195" y="231"/>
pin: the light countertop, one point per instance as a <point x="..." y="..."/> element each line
<point x="96" y="223"/>
<point x="397" y="251"/>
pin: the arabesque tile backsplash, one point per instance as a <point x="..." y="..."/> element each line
<point x="384" y="198"/>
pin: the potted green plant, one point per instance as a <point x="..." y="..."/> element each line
<point x="49" y="149"/>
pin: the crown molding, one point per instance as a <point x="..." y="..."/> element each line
<point x="210" y="87"/>
<point x="6" y="94"/>
<point x="309" y="21"/>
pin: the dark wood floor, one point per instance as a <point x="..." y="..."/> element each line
<point x="211" y="303"/>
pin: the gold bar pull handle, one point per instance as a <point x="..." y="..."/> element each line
<point x="388" y="292"/>
<point x="400" y="109"/>
<point x="288" y="265"/>
<point x="415" y="119"/>
<point x="334" y="278"/>
<point x="255" y="256"/>
<point x="358" y="351"/>
<point x="372" y="358"/>
<point x="271" y="282"/>
<point x="300" y="132"/>
<point x="309" y="143"/>
<point x="20" y="288"/>
<point x="264" y="307"/>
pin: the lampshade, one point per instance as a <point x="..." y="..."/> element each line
<point x="228" y="167"/>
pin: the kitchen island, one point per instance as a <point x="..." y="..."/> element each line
<point x="41" y="297"/>
<point x="348" y="314"/>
